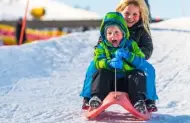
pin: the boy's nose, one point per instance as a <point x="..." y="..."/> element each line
<point x="112" y="38"/>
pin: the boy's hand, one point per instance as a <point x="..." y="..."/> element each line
<point x="121" y="53"/>
<point x="116" y="63"/>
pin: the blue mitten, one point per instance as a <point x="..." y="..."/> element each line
<point x="122" y="53"/>
<point x="116" y="63"/>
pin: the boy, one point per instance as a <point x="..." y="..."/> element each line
<point x="116" y="52"/>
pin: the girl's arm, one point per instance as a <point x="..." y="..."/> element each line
<point x="146" y="44"/>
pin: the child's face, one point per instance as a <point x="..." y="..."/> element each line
<point x="131" y="14"/>
<point x="114" y="35"/>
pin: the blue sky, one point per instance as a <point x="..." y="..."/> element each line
<point x="159" y="8"/>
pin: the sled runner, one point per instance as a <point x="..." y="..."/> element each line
<point x="120" y="98"/>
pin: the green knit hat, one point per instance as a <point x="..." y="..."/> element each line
<point x="112" y="18"/>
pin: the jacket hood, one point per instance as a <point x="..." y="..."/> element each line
<point x="116" y="18"/>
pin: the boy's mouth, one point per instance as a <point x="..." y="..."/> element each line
<point x="114" y="41"/>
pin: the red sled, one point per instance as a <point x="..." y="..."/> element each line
<point x="120" y="98"/>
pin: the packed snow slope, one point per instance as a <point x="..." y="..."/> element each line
<point x="41" y="82"/>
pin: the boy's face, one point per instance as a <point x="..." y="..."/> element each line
<point x="114" y="35"/>
<point x="131" y="13"/>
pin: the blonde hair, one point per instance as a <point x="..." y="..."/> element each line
<point x="144" y="13"/>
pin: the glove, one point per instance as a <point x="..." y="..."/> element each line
<point x="116" y="63"/>
<point x="122" y="53"/>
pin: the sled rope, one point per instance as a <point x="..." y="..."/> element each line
<point x="115" y="83"/>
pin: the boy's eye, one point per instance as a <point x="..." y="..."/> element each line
<point x="116" y="32"/>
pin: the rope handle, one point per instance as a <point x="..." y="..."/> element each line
<point x="115" y="83"/>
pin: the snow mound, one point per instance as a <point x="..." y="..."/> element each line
<point x="54" y="10"/>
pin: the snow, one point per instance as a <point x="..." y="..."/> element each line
<point x="41" y="82"/>
<point x="54" y="10"/>
<point x="175" y="24"/>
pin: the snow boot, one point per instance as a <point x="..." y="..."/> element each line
<point x="95" y="102"/>
<point x="85" y="105"/>
<point x="140" y="106"/>
<point x="151" y="106"/>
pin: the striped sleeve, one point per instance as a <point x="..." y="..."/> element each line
<point x="100" y="58"/>
<point x="137" y="57"/>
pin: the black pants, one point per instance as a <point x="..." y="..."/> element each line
<point x="134" y="83"/>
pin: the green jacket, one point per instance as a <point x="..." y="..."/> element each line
<point x="104" y="52"/>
